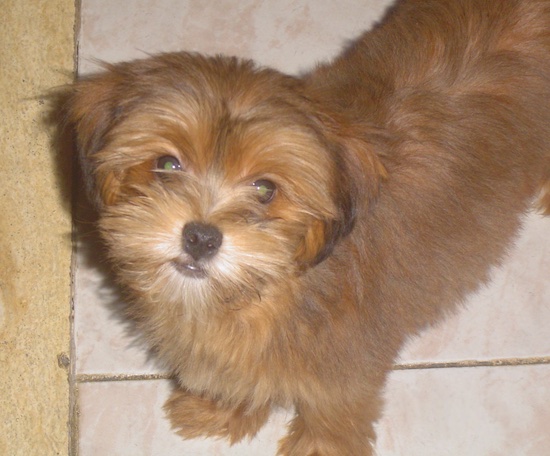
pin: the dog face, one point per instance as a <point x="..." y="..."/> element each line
<point x="214" y="179"/>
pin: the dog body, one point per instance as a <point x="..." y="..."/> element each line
<point x="280" y="238"/>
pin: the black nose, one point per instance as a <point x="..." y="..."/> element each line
<point x="201" y="240"/>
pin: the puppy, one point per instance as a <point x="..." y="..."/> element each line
<point x="281" y="237"/>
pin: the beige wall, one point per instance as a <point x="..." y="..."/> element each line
<point x="36" y="53"/>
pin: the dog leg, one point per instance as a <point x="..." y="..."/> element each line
<point x="340" y="431"/>
<point x="196" y="416"/>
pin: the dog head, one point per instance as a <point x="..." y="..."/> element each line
<point x="214" y="179"/>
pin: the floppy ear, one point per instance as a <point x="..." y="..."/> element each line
<point x="358" y="173"/>
<point x="93" y="107"/>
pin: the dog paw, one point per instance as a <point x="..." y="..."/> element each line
<point x="291" y="446"/>
<point x="196" y="416"/>
<point x="311" y="439"/>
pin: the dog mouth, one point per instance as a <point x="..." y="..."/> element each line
<point x="190" y="269"/>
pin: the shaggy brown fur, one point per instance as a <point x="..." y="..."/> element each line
<point x="280" y="238"/>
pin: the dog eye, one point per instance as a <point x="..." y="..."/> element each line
<point x="265" y="190"/>
<point x="168" y="163"/>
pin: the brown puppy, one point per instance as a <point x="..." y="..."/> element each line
<point x="280" y="238"/>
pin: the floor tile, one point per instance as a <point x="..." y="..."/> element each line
<point x="126" y="419"/>
<point x="462" y="412"/>
<point x="290" y="35"/>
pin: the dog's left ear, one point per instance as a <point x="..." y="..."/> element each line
<point x="358" y="174"/>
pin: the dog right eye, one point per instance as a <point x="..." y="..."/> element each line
<point x="168" y="163"/>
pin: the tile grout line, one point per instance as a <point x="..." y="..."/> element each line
<point x="501" y="362"/>
<point x="505" y="362"/>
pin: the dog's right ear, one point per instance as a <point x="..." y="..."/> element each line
<point x="94" y="105"/>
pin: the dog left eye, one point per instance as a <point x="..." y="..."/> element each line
<point x="265" y="190"/>
<point x="168" y="163"/>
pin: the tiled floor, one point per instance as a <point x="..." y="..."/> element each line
<point x="476" y="385"/>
